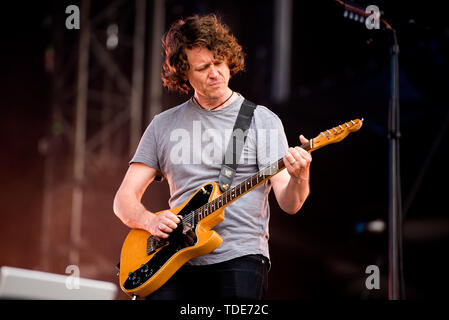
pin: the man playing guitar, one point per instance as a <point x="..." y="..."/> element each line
<point x="186" y="145"/>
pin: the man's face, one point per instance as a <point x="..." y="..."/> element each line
<point x="207" y="75"/>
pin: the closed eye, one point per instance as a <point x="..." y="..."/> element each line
<point x="216" y="63"/>
<point x="203" y="68"/>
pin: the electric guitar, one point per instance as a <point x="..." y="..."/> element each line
<point x="147" y="262"/>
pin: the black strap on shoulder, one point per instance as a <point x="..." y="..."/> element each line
<point x="235" y="145"/>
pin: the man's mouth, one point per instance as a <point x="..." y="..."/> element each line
<point x="215" y="84"/>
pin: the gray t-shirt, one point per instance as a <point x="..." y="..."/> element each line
<point x="187" y="145"/>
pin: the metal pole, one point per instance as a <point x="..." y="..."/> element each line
<point x="280" y="88"/>
<point x="49" y="152"/>
<point x="395" y="202"/>
<point x="47" y="207"/>
<point x="80" y="134"/>
<point x="137" y="76"/>
<point x="155" y="84"/>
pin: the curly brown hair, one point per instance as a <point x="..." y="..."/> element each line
<point x="197" y="32"/>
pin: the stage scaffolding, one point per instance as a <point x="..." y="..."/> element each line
<point x="105" y="87"/>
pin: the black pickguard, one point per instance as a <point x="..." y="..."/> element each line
<point x="178" y="240"/>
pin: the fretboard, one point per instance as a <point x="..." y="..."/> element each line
<point x="245" y="186"/>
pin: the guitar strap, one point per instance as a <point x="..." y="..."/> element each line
<point x="235" y="145"/>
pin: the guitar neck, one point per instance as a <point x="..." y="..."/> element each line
<point x="333" y="135"/>
<point x="245" y="186"/>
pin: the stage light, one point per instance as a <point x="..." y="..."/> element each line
<point x="112" y="36"/>
<point x="375" y="226"/>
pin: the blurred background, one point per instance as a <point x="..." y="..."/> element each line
<point x="74" y="103"/>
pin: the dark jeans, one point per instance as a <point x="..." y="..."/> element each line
<point x="243" y="278"/>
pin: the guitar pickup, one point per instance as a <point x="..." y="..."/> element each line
<point x="154" y="243"/>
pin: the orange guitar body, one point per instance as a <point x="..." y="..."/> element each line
<point x="147" y="262"/>
<point x="134" y="255"/>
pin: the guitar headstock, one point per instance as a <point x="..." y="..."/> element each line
<point x="335" y="134"/>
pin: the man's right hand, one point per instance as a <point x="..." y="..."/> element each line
<point x="162" y="224"/>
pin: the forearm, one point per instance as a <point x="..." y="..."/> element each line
<point x="131" y="211"/>
<point x="128" y="205"/>
<point x="293" y="195"/>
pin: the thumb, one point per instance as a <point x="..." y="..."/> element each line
<point x="303" y="139"/>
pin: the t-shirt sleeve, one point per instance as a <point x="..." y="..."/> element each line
<point x="272" y="142"/>
<point x="148" y="147"/>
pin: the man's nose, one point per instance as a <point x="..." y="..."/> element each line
<point x="213" y="72"/>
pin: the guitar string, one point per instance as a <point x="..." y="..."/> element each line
<point x="225" y="194"/>
<point x="191" y="215"/>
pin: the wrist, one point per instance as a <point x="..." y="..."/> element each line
<point x="148" y="218"/>
<point x="299" y="180"/>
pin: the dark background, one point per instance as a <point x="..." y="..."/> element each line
<point x="340" y="71"/>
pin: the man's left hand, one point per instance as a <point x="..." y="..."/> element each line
<point x="297" y="162"/>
